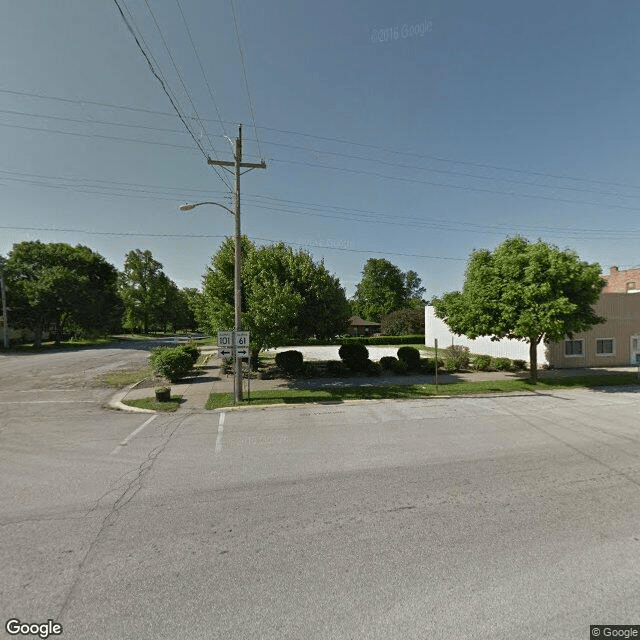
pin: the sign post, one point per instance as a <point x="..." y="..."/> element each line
<point x="436" y="346"/>
<point x="234" y="344"/>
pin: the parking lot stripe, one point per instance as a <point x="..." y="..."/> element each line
<point x="133" y="435"/>
<point x="218" y="447"/>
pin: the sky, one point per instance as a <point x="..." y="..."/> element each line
<point x="411" y="131"/>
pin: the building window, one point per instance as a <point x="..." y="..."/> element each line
<point x="605" y="347"/>
<point x="574" y="348"/>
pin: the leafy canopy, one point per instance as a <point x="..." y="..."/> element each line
<point x="384" y="288"/>
<point x="524" y="291"/>
<point x="285" y="294"/>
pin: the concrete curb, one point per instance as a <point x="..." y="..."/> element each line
<point x="116" y="400"/>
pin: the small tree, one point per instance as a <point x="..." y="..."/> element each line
<point x="403" y="322"/>
<point x="524" y="291"/>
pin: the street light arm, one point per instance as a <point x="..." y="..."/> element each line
<point x="188" y="207"/>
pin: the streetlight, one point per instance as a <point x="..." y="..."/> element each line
<point x="236" y="292"/>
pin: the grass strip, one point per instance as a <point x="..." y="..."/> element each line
<point x="399" y="391"/>
<point x="151" y="403"/>
<point x="122" y="378"/>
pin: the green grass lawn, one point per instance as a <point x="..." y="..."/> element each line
<point x="122" y="378"/>
<point x="150" y="403"/>
<point x="294" y="396"/>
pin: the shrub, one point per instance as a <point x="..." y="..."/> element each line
<point x="388" y="362"/>
<point x="373" y="368"/>
<point x="481" y="363"/>
<point x="456" y="358"/>
<point x="400" y="366"/>
<point x="501" y="364"/>
<point x="519" y="365"/>
<point x="355" y="356"/>
<point x="289" y="361"/>
<point x="411" y="356"/>
<point x="428" y="365"/>
<point x="192" y="350"/>
<point x="335" y="368"/>
<point x="172" y="363"/>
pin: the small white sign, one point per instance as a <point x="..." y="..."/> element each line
<point x="225" y="338"/>
<point x="242" y="352"/>
<point x="225" y="352"/>
<point x="242" y="338"/>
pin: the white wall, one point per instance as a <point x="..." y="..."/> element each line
<point x="514" y="349"/>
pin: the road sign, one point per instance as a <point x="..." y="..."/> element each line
<point x="242" y="338"/>
<point x="225" y="338"/>
<point x="243" y="352"/>
<point x="225" y="352"/>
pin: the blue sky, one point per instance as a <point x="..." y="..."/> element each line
<point x="427" y="129"/>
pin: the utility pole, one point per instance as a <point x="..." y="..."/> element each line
<point x="5" y="322"/>
<point x="237" y="164"/>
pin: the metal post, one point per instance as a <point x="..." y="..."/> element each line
<point x="237" y="287"/>
<point x="436" y="346"/>
<point x="5" y="321"/>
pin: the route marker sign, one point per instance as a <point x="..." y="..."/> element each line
<point x="233" y="343"/>
<point x="242" y="343"/>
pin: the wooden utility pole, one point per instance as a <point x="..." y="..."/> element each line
<point x="237" y="164"/>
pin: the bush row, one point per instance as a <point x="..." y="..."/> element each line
<point x="370" y="340"/>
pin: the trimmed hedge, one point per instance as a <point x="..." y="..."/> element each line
<point x="370" y="340"/>
<point x="336" y="369"/>
<point x="411" y="356"/>
<point x="355" y="356"/>
<point x="388" y="362"/>
<point x="289" y="361"/>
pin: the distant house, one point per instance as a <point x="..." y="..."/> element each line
<point x="360" y="327"/>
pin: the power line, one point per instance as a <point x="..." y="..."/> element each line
<point x="162" y="84"/>
<point x="306" y="208"/>
<point x="246" y="81"/>
<point x="204" y="75"/>
<point x="82" y="102"/>
<point x="194" y="235"/>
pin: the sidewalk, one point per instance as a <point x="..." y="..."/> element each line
<point x="195" y="391"/>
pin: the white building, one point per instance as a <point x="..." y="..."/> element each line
<point x="434" y="328"/>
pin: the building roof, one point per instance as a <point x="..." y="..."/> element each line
<point x="357" y="321"/>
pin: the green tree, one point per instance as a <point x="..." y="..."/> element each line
<point x="57" y="286"/>
<point x="143" y="289"/>
<point x="524" y="291"/>
<point x="384" y="288"/>
<point x="403" y="322"/>
<point x="285" y="294"/>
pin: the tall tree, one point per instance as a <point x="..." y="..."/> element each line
<point x="524" y="291"/>
<point x="285" y="294"/>
<point x="143" y="288"/>
<point x="56" y="286"/>
<point x="384" y="288"/>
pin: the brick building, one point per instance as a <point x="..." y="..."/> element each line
<point x="625" y="281"/>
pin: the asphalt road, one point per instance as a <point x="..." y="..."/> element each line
<point x="504" y="517"/>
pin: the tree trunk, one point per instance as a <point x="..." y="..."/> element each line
<point x="533" y="358"/>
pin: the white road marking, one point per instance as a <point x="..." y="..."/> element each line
<point x="218" y="448"/>
<point x="125" y="442"/>
<point x="45" y="401"/>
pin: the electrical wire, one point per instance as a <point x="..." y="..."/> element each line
<point x="246" y="81"/>
<point x="83" y="102"/>
<point x="204" y="75"/>
<point x="163" y="85"/>
<point x="199" y="235"/>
